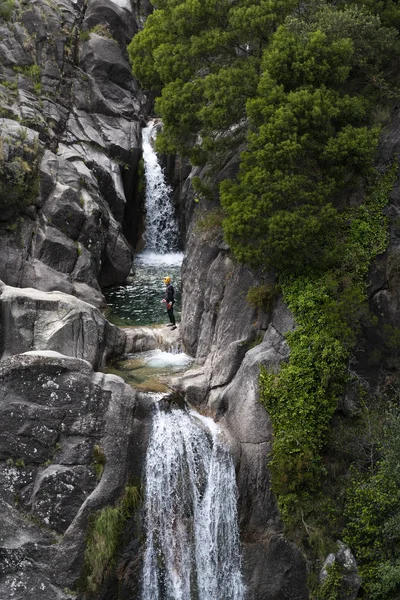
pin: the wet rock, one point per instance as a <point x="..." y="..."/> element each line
<point x="141" y="339"/>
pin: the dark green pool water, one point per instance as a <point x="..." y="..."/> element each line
<point x="139" y="302"/>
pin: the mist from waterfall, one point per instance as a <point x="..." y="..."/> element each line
<point x="161" y="230"/>
<point x="192" y="540"/>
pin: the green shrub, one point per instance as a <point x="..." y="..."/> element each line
<point x="99" y="458"/>
<point x="19" y="171"/>
<point x="102" y="30"/>
<point x="373" y="516"/>
<point x="262" y="296"/>
<point x="328" y="309"/>
<point x="210" y="220"/>
<point x="33" y="72"/>
<point x="331" y="587"/>
<point x="6" y="9"/>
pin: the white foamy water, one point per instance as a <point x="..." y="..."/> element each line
<point x="159" y="359"/>
<point x="192" y="544"/>
<point x="169" y="259"/>
<point x="161" y="230"/>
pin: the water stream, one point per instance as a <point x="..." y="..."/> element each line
<point x="192" y="548"/>
<point x="161" y="231"/>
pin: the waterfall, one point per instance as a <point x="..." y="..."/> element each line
<point x="192" y="547"/>
<point x="161" y="230"/>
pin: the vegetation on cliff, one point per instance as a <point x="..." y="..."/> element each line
<point x="303" y="91"/>
<point x="20" y="159"/>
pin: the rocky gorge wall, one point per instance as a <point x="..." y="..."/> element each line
<point x="69" y="102"/>
<point x="82" y="113"/>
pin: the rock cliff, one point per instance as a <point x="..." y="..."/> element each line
<point x="70" y="107"/>
<point x="60" y="422"/>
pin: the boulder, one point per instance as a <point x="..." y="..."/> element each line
<point x="141" y="339"/>
<point x="351" y="580"/>
<point x="58" y="417"/>
<point x="274" y="571"/>
<point x="32" y="320"/>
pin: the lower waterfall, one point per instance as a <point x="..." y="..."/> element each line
<point x="192" y="548"/>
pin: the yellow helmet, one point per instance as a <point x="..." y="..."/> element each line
<point x="167" y="280"/>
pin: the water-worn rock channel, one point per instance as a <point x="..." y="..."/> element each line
<point x="192" y="547"/>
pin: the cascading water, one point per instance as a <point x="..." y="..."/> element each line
<point x="192" y="547"/>
<point x="161" y="231"/>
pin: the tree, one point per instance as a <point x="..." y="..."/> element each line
<point x="203" y="60"/>
<point x="309" y="137"/>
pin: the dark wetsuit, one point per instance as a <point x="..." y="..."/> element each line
<point x="169" y="299"/>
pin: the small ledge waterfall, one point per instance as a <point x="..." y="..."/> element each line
<point x="192" y="548"/>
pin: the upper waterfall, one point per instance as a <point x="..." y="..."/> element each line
<point x="161" y="230"/>
<point x="192" y="546"/>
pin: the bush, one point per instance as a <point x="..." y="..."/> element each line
<point x="19" y="171"/>
<point x="6" y="8"/>
<point x="328" y="309"/>
<point x="262" y="296"/>
<point x="373" y="516"/>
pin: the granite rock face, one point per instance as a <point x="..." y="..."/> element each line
<point x="66" y="85"/>
<point x="33" y="320"/>
<point x="57" y="416"/>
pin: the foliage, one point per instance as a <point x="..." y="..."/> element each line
<point x="102" y="30"/>
<point x="6" y="9"/>
<point x="99" y="458"/>
<point x="328" y="309"/>
<point x="373" y="517"/>
<point x="32" y="72"/>
<point x="203" y="58"/>
<point x="210" y="220"/>
<point x="104" y="537"/>
<point x="310" y="139"/>
<point x="388" y="10"/>
<point x="330" y="588"/>
<point x="262" y="296"/>
<point x="19" y="170"/>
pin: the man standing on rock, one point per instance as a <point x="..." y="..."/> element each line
<point x="169" y="301"/>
